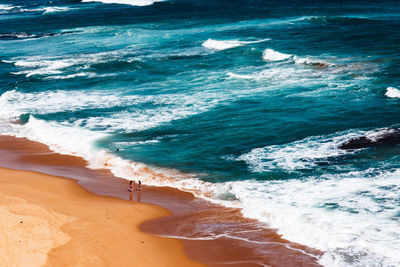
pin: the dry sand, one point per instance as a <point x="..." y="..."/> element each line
<point x="51" y="221"/>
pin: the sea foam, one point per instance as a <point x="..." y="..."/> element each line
<point x="302" y="154"/>
<point x="331" y="213"/>
<point x="6" y="7"/>
<point x="272" y="55"/>
<point x="336" y="214"/>
<point x="392" y="92"/>
<point x="55" y="9"/>
<point x="220" y="45"/>
<point x="44" y="10"/>
<point x="82" y="143"/>
<point x="47" y="66"/>
<point x="161" y="108"/>
<point x="126" y="2"/>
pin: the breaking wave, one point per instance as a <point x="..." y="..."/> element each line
<point x="43" y="10"/>
<point x="126" y="2"/>
<point x="303" y="154"/>
<point x="24" y="35"/>
<point x="272" y="55"/>
<point x="392" y="92"/>
<point x="220" y="45"/>
<point x="338" y="214"/>
<point x="352" y="217"/>
<point x="48" y="66"/>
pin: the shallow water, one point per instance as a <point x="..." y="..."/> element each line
<point x="243" y="103"/>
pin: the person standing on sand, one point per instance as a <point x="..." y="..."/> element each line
<point x="139" y="187"/>
<point x="139" y="193"/>
<point x="130" y="186"/>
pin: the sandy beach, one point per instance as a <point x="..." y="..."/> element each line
<point x="51" y="221"/>
<point x="91" y="215"/>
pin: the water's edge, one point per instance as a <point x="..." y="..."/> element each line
<point x="212" y="234"/>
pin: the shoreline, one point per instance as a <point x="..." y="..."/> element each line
<point x="49" y="220"/>
<point x="210" y="233"/>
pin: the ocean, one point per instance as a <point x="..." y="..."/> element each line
<point x="242" y="103"/>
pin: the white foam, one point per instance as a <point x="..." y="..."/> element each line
<point x="228" y="236"/>
<point x="45" y="10"/>
<point x="242" y="76"/>
<point x="288" y="74"/>
<point x="357" y="230"/>
<point x="280" y="75"/>
<point x="374" y="135"/>
<point x="82" y="140"/>
<point x="47" y="66"/>
<point x="310" y="62"/>
<point x="55" y="9"/>
<point x="136" y="143"/>
<point x="43" y="67"/>
<point x="303" y="154"/>
<point x="70" y="76"/>
<point x="168" y="108"/>
<point x="337" y="214"/>
<point x="82" y="143"/>
<point x="16" y="103"/>
<point x="227" y="44"/>
<point x="6" y="7"/>
<point x="392" y="92"/>
<point x="161" y="109"/>
<point x="126" y="2"/>
<point x="272" y="55"/>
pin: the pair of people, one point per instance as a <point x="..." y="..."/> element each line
<point x="138" y="188"/>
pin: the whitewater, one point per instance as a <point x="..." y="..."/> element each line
<point x="244" y="106"/>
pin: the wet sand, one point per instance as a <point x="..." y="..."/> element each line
<point x="211" y="234"/>
<point x="47" y="220"/>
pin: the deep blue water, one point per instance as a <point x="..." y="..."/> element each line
<point x="253" y="97"/>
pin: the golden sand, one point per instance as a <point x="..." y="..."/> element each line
<point x="51" y="221"/>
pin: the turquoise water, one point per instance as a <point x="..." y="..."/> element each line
<point x="242" y="102"/>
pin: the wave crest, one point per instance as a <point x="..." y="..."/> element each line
<point x="303" y="154"/>
<point x="392" y="92"/>
<point x="272" y="55"/>
<point x="227" y="44"/>
<point x="126" y="2"/>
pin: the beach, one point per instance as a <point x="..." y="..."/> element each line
<point x="266" y="133"/>
<point x="51" y="221"/>
<point x="70" y="213"/>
